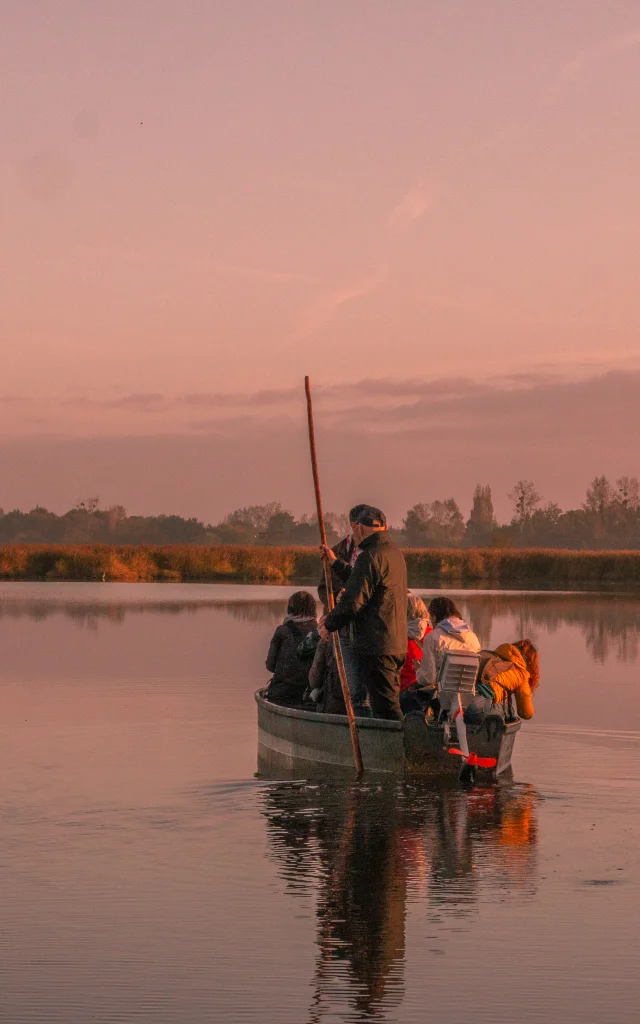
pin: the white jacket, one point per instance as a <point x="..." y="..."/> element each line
<point x="451" y="634"/>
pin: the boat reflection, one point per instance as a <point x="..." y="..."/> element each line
<point x="367" y="850"/>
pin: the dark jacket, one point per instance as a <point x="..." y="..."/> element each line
<point x="290" y="673"/>
<point x="340" y="569"/>
<point x="323" y="676"/>
<point x="375" y="599"/>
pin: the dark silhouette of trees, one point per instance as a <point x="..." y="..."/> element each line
<point x="608" y="519"/>
<point x="87" y="523"/>
<point x="437" y="524"/>
<point x="525" y="498"/>
<point x="481" y="524"/>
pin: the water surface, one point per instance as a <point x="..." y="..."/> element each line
<point x="149" y="875"/>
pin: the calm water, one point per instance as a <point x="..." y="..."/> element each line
<point x="148" y="875"/>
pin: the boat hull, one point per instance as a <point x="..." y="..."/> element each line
<point x="294" y="736"/>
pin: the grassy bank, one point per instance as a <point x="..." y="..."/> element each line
<point x="191" y="563"/>
<point x="147" y="563"/>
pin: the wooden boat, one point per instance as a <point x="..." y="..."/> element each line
<point x="296" y="736"/>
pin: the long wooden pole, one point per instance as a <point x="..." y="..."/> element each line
<point x="353" y="728"/>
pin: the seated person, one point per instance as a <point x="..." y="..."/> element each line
<point x="418" y="626"/>
<point x="325" y="691"/>
<point x="450" y="633"/>
<point x="290" y="672"/>
<point x="510" y="669"/>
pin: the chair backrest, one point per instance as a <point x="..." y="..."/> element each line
<point x="458" y="672"/>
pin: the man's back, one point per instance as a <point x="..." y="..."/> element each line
<point x="375" y="599"/>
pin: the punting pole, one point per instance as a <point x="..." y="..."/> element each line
<point x="353" y="728"/>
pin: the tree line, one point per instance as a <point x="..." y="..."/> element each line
<point x="608" y="519"/>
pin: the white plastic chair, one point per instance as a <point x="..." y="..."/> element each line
<point x="457" y="677"/>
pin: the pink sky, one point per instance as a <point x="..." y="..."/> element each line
<point x="202" y="202"/>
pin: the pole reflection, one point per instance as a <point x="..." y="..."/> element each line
<point x="367" y="851"/>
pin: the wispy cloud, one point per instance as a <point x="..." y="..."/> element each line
<point x="275" y="396"/>
<point x="324" y="307"/>
<point x="146" y="402"/>
<point x="139" y="403"/>
<point x="413" y="205"/>
<point x="586" y="59"/>
<point x="378" y="394"/>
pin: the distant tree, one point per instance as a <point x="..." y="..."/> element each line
<point x="245" y="524"/>
<point x="600" y="512"/>
<point x="628" y="492"/>
<point x="481" y="523"/>
<point x="626" y="526"/>
<point x="176" y="530"/>
<point x="88" y="505"/>
<point x="415" y="525"/>
<point x="116" y="514"/>
<point x="232" y="533"/>
<point x="434" y="524"/>
<point x="83" y="524"/>
<point x="525" y="498"/>
<point x="306" y="531"/>
<point x="278" y="530"/>
<point x="337" y="523"/>
<point x="600" y="497"/>
<point x="543" y="527"/>
<point x="38" y="526"/>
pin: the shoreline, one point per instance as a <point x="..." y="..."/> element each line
<point x="477" y="568"/>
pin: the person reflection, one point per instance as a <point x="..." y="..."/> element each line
<point x="366" y="851"/>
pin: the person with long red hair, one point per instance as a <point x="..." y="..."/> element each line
<point x="510" y="670"/>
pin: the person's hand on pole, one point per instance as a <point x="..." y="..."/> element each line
<point x="328" y="554"/>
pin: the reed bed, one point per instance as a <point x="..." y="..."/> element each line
<point x="146" y="563"/>
<point x="429" y="567"/>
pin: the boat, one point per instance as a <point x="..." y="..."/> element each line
<point x="294" y="736"/>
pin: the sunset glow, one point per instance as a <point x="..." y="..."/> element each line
<point x="430" y="208"/>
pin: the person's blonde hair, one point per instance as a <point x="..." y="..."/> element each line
<point x="416" y="608"/>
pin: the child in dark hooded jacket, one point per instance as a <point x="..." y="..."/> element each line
<point x="324" y="681"/>
<point x="290" y="672"/>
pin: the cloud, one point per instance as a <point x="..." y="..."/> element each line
<point x="586" y="59"/>
<point x="276" y="396"/>
<point x="413" y="205"/>
<point x="146" y="402"/>
<point x="324" y="307"/>
<point x="140" y="403"/>
<point x="501" y="412"/>
<point x="391" y="443"/>
<point x="530" y="415"/>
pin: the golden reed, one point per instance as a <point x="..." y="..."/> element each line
<point x="231" y="563"/>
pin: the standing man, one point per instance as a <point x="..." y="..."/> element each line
<point x="342" y="558"/>
<point x="375" y="601"/>
<point x="346" y="551"/>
